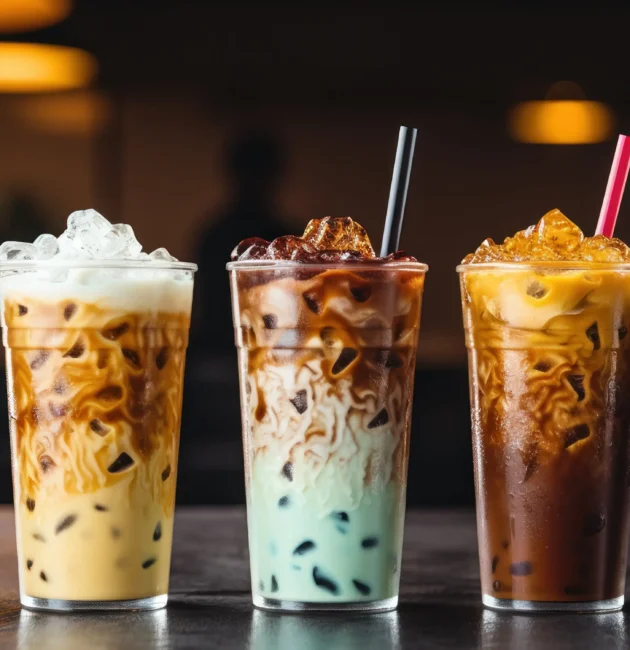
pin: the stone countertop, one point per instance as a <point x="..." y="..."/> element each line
<point x="210" y="604"/>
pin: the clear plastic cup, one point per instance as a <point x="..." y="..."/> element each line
<point x="95" y="356"/>
<point x="549" y="379"/>
<point x="326" y="360"/>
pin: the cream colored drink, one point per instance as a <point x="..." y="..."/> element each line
<point x="95" y="355"/>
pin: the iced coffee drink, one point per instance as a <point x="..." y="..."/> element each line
<point x="326" y="336"/>
<point x="546" y="316"/>
<point x="95" y="333"/>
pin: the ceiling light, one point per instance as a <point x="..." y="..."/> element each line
<point x="28" y="67"/>
<point x="564" y="121"/>
<point x="26" y="15"/>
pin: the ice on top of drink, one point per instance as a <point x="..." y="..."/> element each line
<point x="95" y="333"/>
<point x="533" y="299"/>
<point x="555" y="238"/>
<point x="331" y="239"/>
<point x="57" y="267"/>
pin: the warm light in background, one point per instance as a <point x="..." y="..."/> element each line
<point x="27" y="68"/>
<point x="77" y="113"/>
<point x="565" y="121"/>
<point x="25" y="15"/>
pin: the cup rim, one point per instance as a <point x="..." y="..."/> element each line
<point x="562" y="265"/>
<point x="363" y="265"/>
<point x="42" y="265"/>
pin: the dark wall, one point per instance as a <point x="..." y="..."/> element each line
<point x="309" y="100"/>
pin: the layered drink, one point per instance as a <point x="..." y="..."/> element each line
<point x="326" y="336"/>
<point x="546" y="316"/>
<point x="95" y="333"/>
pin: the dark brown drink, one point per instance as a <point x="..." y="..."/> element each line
<point x="550" y="380"/>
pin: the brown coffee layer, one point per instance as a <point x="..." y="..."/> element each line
<point x="327" y="362"/>
<point x="95" y="394"/>
<point x="550" y="379"/>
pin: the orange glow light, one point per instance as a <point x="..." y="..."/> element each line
<point x="77" y="113"/>
<point x="28" y="68"/>
<point x="561" y="122"/>
<point x="26" y="15"/>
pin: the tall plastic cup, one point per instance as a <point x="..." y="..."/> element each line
<point x="95" y="357"/>
<point x="326" y="360"/>
<point x="549" y="362"/>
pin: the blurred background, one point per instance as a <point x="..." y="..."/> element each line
<point x="203" y="124"/>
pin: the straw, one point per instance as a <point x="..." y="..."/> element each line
<point x="398" y="191"/>
<point x="614" y="190"/>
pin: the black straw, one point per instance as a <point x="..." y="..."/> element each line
<point x="398" y="190"/>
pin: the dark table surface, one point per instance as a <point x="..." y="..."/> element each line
<point x="210" y="606"/>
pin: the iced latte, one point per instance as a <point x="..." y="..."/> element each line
<point x="327" y="336"/>
<point x="95" y="333"/>
<point x="546" y="316"/>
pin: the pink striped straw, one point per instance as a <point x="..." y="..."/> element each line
<point x="614" y="190"/>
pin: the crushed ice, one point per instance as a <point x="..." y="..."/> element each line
<point x="89" y="236"/>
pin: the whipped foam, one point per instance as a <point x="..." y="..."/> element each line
<point x="98" y="262"/>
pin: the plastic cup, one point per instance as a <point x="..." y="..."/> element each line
<point x="326" y="361"/>
<point x="95" y="357"/>
<point x="549" y="383"/>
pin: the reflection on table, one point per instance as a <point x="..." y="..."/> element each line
<point x="274" y="631"/>
<point x="128" y="630"/>
<point x="517" y="631"/>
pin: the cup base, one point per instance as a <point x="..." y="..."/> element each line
<point x="55" y="605"/>
<point x="385" y="605"/>
<point x="534" y="606"/>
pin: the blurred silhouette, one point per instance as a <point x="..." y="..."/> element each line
<point x="255" y="163"/>
<point x="211" y="462"/>
<point x="20" y="217"/>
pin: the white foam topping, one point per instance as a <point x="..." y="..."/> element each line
<point x="96" y="261"/>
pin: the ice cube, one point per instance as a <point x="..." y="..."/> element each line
<point x="132" y="247"/>
<point x="47" y="247"/>
<point x="82" y="220"/>
<point x="88" y="242"/>
<point x="112" y="245"/>
<point x="162" y="255"/>
<point x="287" y="248"/>
<point x="84" y="234"/>
<point x="67" y="250"/>
<point x="17" y="251"/>
<point x="555" y="227"/>
<point x="253" y="248"/>
<point x="340" y="234"/>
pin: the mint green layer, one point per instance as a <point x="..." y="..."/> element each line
<point x="339" y="553"/>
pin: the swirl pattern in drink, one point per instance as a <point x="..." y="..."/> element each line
<point x="546" y="317"/>
<point x="327" y="348"/>
<point x="95" y="361"/>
